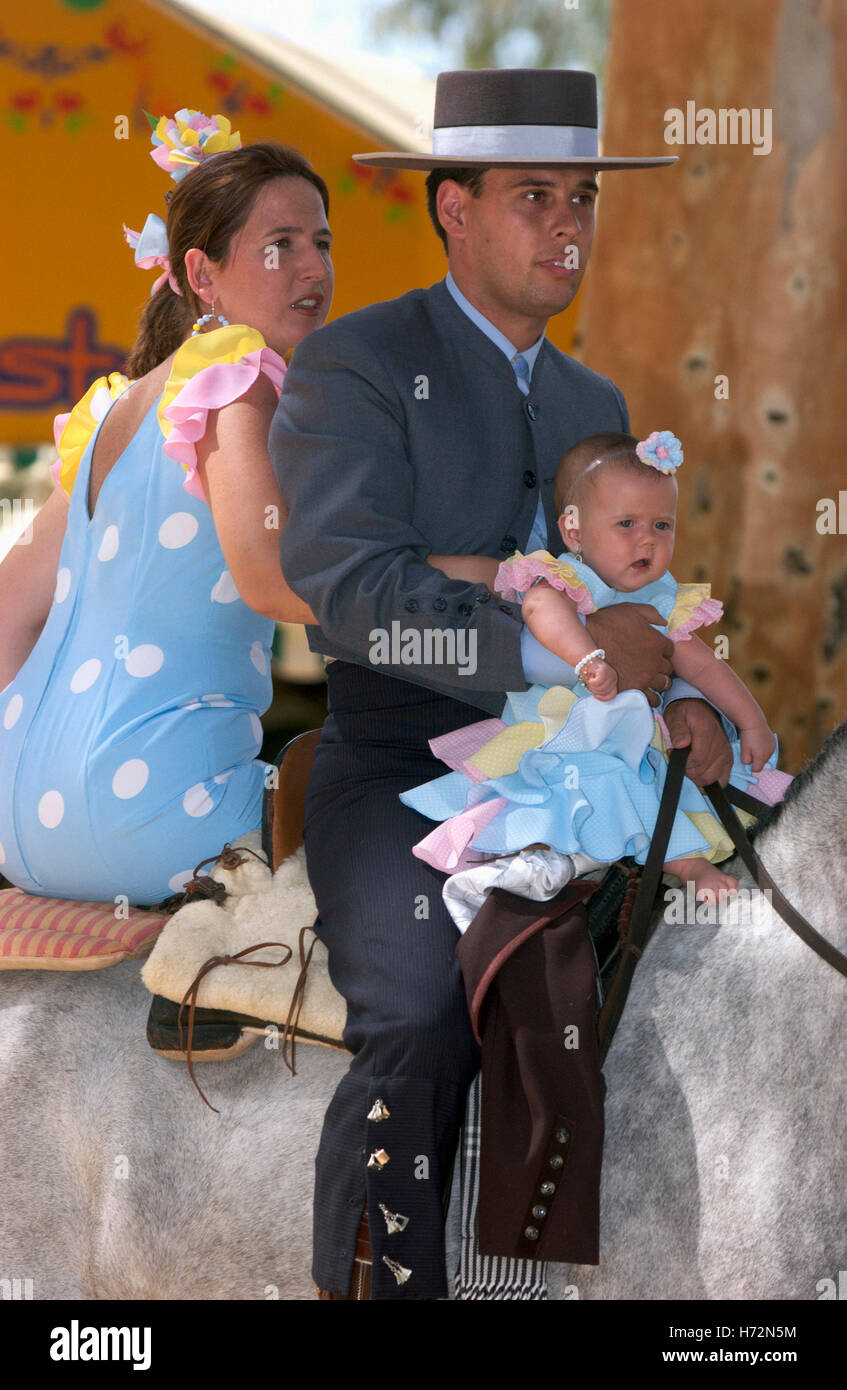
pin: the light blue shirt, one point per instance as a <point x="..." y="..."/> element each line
<point x="538" y="663"/>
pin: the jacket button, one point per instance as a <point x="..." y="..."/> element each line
<point x="557" y="1161"/>
<point x="539" y="1213"/>
<point x="439" y="604"/>
<point x="531" y="1232"/>
<point x="547" y="1189"/>
<point x="483" y="598"/>
<point x="529" y="478"/>
<point x="562" y="1136"/>
<point x="531" y="411"/>
<point x="508" y="544"/>
<point x="465" y="609"/>
<point x="411" y="605"/>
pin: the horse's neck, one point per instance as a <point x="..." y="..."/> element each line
<point x="806" y="859"/>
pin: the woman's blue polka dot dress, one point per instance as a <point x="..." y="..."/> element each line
<point x="129" y="737"/>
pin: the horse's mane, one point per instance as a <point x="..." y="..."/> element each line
<point x="835" y="749"/>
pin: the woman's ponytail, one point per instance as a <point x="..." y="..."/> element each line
<point x="164" y="326"/>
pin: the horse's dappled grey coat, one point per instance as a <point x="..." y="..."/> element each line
<point x="724" y="1176"/>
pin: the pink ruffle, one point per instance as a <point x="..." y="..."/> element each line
<point x="446" y="847"/>
<point x="59" y="422"/>
<point x="455" y="748"/>
<point x="705" y="613"/>
<point x="215" y="386"/>
<point x="771" y="785"/>
<point x="516" y="575"/>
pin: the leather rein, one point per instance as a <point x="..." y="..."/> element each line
<point x="642" y="924"/>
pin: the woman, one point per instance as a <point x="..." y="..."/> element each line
<point x="135" y="658"/>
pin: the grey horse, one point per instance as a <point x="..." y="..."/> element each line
<point x="724" y="1174"/>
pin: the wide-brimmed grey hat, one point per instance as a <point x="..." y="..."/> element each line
<point x="514" y="118"/>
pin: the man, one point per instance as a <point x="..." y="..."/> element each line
<point x="432" y="425"/>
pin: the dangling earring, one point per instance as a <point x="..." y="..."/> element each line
<point x="206" y="318"/>
<point x="578" y="554"/>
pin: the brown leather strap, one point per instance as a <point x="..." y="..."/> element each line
<point x="641" y="925"/>
<point x="191" y="995"/>
<point x="290" y="1032"/>
<point x="720" y="799"/>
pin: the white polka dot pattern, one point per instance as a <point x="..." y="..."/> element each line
<point x="85" y="675"/>
<point x="109" y="545"/>
<point x="177" y="530"/>
<point x="197" y="801"/>
<point x="130" y="778"/>
<point x="51" y="809"/>
<point x="144" y="660"/>
<point x="224" y="591"/>
<point x="12" y="712"/>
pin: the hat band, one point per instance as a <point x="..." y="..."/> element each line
<point x="515" y="141"/>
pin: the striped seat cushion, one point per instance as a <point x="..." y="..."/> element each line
<point x="58" y="934"/>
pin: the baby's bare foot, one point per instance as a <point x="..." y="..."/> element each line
<point x="707" y="878"/>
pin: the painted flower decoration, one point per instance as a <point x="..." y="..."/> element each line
<point x="661" y="450"/>
<point x="190" y="137"/>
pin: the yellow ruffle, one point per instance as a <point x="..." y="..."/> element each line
<point x="81" y="424"/>
<point x="569" y="573"/>
<point x="502" y="753"/>
<point x="226" y="345"/>
<point x="688" y="597"/>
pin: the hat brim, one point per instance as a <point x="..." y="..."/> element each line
<point x="385" y="160"/>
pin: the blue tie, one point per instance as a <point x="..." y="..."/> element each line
<point x="521" y="370"/>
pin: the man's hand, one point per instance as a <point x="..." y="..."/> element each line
<point x="694" y="723"/>
<point x="639" y="654"/>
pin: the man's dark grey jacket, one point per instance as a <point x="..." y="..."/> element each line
<point x="400" y="432"/>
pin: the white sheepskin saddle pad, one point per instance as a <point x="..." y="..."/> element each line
<point x="260" y="906"/>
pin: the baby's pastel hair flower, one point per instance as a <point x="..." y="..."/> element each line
<point x="661" y="450"/>
<point x="188" y="139"/>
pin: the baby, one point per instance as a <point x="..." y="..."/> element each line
<point x="615" y="500"/>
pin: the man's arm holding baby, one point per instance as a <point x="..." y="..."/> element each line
<point x="352" y="549"/>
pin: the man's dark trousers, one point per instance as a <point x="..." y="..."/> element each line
<point x="392" y="956"/>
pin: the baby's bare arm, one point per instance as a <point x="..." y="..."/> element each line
<point x="552" y="618"/>
<point x="697" y="663"/>
<point x="476" y="569"/>
<point x="717" y="681"/>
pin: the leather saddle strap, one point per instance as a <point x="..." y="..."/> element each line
<point x="640" y="926"/>
<point x="819" y="944"/>
<point x="190" y="996"/>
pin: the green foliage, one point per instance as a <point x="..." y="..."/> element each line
<point x="505" y="33"/>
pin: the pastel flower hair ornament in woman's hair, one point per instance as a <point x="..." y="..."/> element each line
<point x="661" y="450"/>
<point x="180" y="145"/>
<point x="188" y="139"/>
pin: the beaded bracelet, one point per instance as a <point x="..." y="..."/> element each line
<point x="597" y="655"/>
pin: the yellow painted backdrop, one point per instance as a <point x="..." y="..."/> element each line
<point x="69" y="70"/>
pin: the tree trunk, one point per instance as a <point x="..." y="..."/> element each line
<point x="717" y="303"/>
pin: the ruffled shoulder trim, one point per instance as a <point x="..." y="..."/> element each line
<point x="694" y="608"/>
<point x="73" y="430"/>
<point x="516" y="574"/>
<point x="209" y="372"/>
